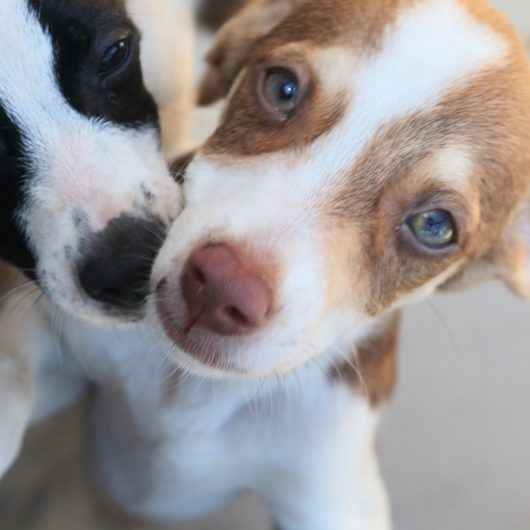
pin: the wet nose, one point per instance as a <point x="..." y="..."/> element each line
<point x="117" y="263"/>
<point x="222" y="294"/>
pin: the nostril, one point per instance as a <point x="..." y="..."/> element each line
<point x="162" y="284"/>
<point x="198" y="276"/>
<point x="224" y="293"/>
<point x="237" y="316"/>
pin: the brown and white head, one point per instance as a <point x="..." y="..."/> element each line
<point x="370" y="154"/>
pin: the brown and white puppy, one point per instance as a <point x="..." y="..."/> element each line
<point x="371" y="153"/>
<point x="360" y="171"/>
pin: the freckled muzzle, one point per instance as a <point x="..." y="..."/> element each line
<point x="117" y="263"/>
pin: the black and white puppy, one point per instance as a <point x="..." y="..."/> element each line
<point x="86" y="87"/>
<point x="85" y="183"/>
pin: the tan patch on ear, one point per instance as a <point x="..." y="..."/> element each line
<point x="511" y="259"/>
<point x="373" y="370"/>
<point x="515" y="269"/>
<point x="491" y="17"/>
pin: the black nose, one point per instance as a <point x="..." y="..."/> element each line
<point x="117" y="262"/>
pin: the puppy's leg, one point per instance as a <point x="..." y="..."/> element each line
<point x="362" y="505"/>
<point x="17" y="391"/>
<point x="17" y="388"/>
<point x="366" y="511"/>
<point x="330" y="479"/>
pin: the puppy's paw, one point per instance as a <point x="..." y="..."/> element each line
<point x="13" y="424"/>
<point x="16" y="399"/>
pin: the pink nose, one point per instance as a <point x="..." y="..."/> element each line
<point x="222" y="295"/>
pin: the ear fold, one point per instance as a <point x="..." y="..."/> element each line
<point x="512" y="260"/>
<point x="235" y="43"/>
<point x="509" y="261"/>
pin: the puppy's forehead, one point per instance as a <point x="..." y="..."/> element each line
<point x="429" y="49"/>
<point x="388" y="59"/>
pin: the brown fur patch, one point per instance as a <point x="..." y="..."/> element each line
<point x="373" y="371"/>
<point x="266" y="25"/>
<point x="490" y="115"/>
<point x="248" y="131"/>
<point x="178" y="166"/>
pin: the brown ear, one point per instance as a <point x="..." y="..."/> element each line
<point x="235" y="42"/>
<point x="509" y="261"/>
<point x="512" y="260"/>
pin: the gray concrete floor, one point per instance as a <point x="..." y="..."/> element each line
<point x="454" y="444"/>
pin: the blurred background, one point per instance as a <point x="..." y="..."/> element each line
<point x="454" y="444"/>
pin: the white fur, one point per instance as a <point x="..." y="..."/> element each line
<point x="311" y="459"/>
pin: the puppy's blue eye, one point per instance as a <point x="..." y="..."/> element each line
<point x="287" y="90"/>
<point x="435" y="229"/>
<point x="281" y="91"/>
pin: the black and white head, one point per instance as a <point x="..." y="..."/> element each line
<point x="86" y="189"/>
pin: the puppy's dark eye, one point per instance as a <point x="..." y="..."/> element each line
<point x="281" y="92"/>
<point x="115" y="57"/>
<point x="435" y="229"/>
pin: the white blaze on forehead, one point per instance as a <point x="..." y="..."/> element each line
<point x="454" y="165"/>
<point x="429" y="50"/>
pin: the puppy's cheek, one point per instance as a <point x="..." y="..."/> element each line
<point x="347" y="271"/>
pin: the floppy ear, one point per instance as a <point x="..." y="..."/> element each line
<point x="512" y="259"/>
<point x="509" y="261"/>
<point x="235" y="42"/>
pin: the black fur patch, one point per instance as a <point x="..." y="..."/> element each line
<point x="82" y="30"/>
<point x="13" y="244"/>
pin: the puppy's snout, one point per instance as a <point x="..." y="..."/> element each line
<point x="117" y="264"/>
<point x="223" y="294"/>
